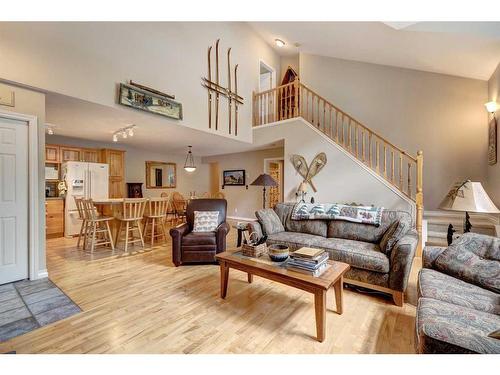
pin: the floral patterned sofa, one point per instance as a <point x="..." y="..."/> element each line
<point x="459" y="297"/>
<point x="380" y="256"/>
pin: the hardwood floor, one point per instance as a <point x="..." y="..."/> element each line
<point x="141" y="303"/>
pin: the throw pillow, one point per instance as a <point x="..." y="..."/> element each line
<point x="393" y="234"/>
<point x="205" y="221"/>
<point x="270" y="221"/>
<point x="474" y="258"/>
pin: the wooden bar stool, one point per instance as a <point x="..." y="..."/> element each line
<point x="155" y="218"/>
<point x="81" y="216"/>
<point x="97" y="229"/>
<point x="132" y="214"/>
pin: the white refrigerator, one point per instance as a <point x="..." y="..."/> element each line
<point x="87" y="180"/>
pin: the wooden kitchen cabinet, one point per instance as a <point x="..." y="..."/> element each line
<point x="70" y="154"/>
<point x="52" y="154"/>
<point x="54" y="218"/>
<point x="90" y="155"/>
<point x="116" y="161"/>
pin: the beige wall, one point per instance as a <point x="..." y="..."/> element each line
<point x="493" y="171"/>
<point x="241" y="202"/>
<point x="87" y="60"/>
<point x="33" y="103"/>
<point x="440" y="114"/>
<point x="135" y="166"/>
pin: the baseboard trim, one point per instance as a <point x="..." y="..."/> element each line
<point x="42" y="274"/>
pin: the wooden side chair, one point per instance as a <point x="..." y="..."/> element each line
<point x="97" y="229"/>
<point x="155" y="218"/>
<point x="179" y="203"/>
<point x="131" y="215"/>
<point x="170" y="207"/>
<point x="81" y="216"/>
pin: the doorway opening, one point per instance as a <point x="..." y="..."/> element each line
<point x="267" y="78"/>
<point x="275" y="168"/>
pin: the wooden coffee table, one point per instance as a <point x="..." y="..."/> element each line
<point x="318" y="286"/>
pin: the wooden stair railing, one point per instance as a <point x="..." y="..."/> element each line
<point x="400" y="169"/>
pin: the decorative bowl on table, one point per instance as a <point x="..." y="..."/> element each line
<point x="278" y="253"/>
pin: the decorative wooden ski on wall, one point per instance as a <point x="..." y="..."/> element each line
<point x="217" y="91"/>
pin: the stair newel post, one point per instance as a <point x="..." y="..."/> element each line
<point x="419" y="199"/>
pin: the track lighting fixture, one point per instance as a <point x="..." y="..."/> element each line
<point x="124" y="133"/>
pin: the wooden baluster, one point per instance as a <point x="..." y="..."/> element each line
<point x="318" y="116"/>
<point x="363" y="144"/>
<point x="356" y="136"/>
<point x="277" y="104"/>
<point x="385" y="162"/>
<point x="337" y="126"/>
<point x="349" y="129"/>
<point x="342" y="130"/>
<point x="330" y="133"/>
<point x="392" y="165"/>
<point x="409" y="180"/>
<point x="370" y="149"/>
<point x="378" y="156"/>
<point x="296" y="98"/>
<point x="401" y="171"/>
<point x="324" y="115"/>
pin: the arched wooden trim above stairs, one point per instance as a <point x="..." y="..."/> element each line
<point x="399" y="168"/>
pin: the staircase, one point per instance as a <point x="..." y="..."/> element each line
<point x="400" y="169"/>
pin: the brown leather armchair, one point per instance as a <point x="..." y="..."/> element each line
<point x="199" y="247"/>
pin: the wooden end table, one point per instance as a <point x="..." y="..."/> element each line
<point x="332" y="277"/>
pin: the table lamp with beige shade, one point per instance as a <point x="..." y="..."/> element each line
<point x="467" y="196"/>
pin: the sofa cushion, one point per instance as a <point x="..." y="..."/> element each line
<point x="437" y="285"/>
<point x="316" y="227"/>
<point x="199" y="238"/>
<point x="446" y="328"/>
<point x="358" y="254"/>
<point x="474" y="258"/>
<point x="367" y="232"/>
<point x="294" y="240"/>
<point x="270" y="221"/>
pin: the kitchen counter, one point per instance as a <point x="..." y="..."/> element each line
<point x="53" y="198"/>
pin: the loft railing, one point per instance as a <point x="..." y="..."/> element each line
<point x="402" y="170"/>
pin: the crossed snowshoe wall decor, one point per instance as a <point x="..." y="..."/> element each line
<point x="308" y="172"/>
<point x="216" y="91"/>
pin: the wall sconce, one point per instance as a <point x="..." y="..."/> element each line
<point x="491" y="107"/>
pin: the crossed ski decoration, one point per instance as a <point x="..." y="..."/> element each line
<point x="216" y="90"/>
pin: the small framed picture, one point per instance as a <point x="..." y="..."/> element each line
<point x="234" y="177"/>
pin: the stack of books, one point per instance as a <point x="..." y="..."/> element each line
<point x="309" y="261"/>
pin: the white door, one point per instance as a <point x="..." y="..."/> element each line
<point x="13" y="200"/>
<point x="99" y="181"/>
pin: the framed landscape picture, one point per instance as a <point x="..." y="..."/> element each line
<point x="492" y="142"/>
<point x="134" y="97"/>
<point x="234" y="177"/>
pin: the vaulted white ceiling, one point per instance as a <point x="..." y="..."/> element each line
<point x="466" y="49"/>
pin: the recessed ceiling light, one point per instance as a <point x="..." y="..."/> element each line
<point x="279" y="43"/>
